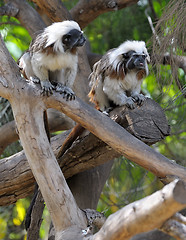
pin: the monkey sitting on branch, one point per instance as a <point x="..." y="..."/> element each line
<point x="52" y="58"/>
<point x="115" y="81"/>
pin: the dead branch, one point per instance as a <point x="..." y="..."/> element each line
<point x="145" y="214"/>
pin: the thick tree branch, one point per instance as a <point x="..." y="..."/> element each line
<point x="145" y="214"/>
<point x="85" y="12"/>
<point x="27" y="16"/>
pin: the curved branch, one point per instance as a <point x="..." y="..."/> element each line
<point x="85" y="12"/>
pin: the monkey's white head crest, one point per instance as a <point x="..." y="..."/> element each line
<point x="56" y="31"/>
<point x="137" y="46"/>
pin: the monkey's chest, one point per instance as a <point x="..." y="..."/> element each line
<point x="130" y="82"/>
<point x="57" y="62"/>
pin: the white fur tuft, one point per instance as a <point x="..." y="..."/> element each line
<point x="56" y="31"/>
<point x="137" y="46"/>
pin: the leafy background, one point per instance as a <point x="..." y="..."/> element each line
<point x="127" y="182"/>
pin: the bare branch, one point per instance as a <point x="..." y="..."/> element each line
<point x="144" y="215"/>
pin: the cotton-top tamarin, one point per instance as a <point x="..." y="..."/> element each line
<point x="116" y="81"/>
<point x="52" y="57"/>
<point x="117" y="77"/>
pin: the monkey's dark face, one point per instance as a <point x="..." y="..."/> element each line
<point x="73" y="39"/>
<point x="134" y="60"/>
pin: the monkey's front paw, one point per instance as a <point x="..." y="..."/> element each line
<point x="67" y="92"/>
<point x="139" y="98"/>
<point x="130" y="103"/>
<point x="47" y="87"/>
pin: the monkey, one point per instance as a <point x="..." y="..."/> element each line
<point x="117" y="77"/>
<point x="52" y="58"/>
<point x="116" y="81"/>
<point x="52" y="61"/>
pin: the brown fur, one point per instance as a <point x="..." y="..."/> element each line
<point x="141" y="74"/>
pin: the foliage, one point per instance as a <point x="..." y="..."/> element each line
<point x="128" y="182"/>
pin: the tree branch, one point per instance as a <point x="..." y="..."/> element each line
<point x="85" y="12"/>
<point x="144" y="215"/>
<point x="28" y="16"/>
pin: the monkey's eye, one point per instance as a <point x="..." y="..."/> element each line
<point x="125" y="55"/>
<point x="66" y="38"/>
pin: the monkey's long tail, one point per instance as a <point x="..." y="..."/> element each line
<point x="76" y="132"/>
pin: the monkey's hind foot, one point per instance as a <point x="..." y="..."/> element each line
<point x="67" y="92"/>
